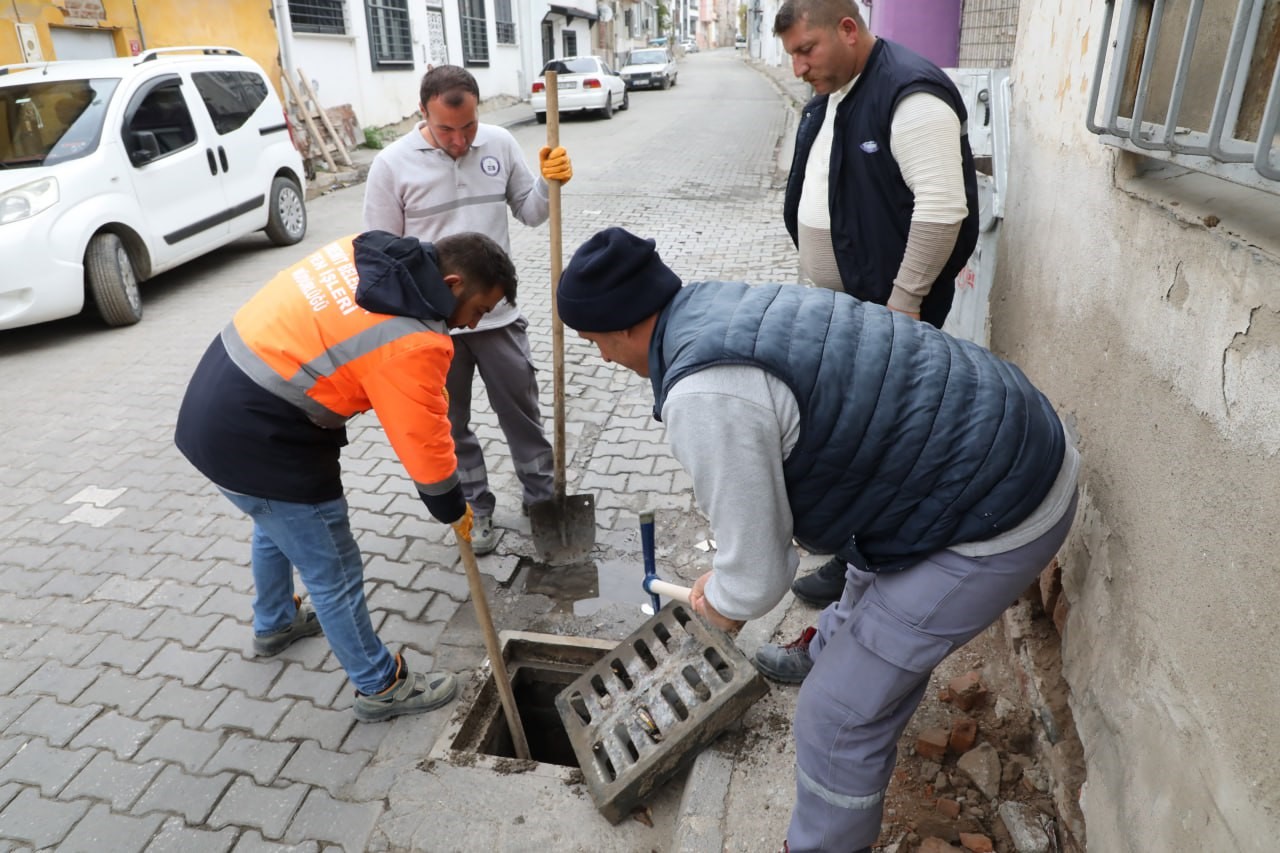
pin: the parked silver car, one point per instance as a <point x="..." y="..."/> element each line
<point x="649" y="67"/>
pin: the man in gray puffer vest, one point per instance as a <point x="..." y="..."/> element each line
<point x="931" y="464"/>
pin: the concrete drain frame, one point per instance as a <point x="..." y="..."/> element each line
<point x="540" y="666"/>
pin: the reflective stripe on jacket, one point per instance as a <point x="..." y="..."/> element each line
<point x="304" y="339"/>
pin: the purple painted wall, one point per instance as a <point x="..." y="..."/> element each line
<point x="929" y="27"/>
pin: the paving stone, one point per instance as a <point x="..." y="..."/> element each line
<point x="108" y="779"/>
<point x="181" y="745"/>
<point x="122" y="619"/>
<point x="231" y="634"/>
<point x="20" y="608"/>
<point x="101" y="830"/>
<point x="251" y="841"/>
<point x="305" y="721"/>
<point x="63" y="682"/>
<point x="261" y="759"/>
<point x="319" y="687"/>
<point x="61" y="645"/>
<point x="397" y="573"/>
<point x="452" y="584"/>
<point x="254" y="677"/>
<point x="325" y="768"/>
<point x="116" y="691"/>
<point x="14" y="673"/>
<point x="228" y="603"/>
<point x="128" y="655"/>
<point x="232" y="575"/>
<point x="13" y="707"/>
<point x="239" y="711"/>
<point x="39" y="821"/>
<point x="182" y="545"/>
<point x="133" y="563"/>
<point x="9" y="746"/>
<point x="176" y="837"/>
<point x="68" y="583"/>
<point x="54" y="722"/>
<point x="70" y="614"/>
<point x="183" y="570"/>
<point x="176" y="595"/>
<point x="37" y="763"/>
<point x="405" y="602"/>
<point x="122" y="735"/>
<point x="268" y="810"/>
<point x="125" y="590"/>
<point x="187" y="629"/>
<point x="398" y="632"/>
<point x="323" y="818"/>
<point x="366" y="737"/>
<point x="17" y="639"/>
<point x="311" y="654"/>
<point x="187" y="794"/>
<point x="191" y="667"/>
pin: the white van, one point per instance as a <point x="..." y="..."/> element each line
<point x="114" y="170"/>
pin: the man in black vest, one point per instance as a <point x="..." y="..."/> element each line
<point x="798" y="412"/>
<point x="882" y="196"/>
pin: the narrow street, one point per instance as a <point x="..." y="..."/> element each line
<point x="133" y="715"/>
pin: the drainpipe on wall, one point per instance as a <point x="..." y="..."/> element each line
<point x="142" y="37"/>
<point x="284" y="34"/>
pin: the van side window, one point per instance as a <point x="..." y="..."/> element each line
<point x="163" y="114"/>
<point x="232" y="97"/>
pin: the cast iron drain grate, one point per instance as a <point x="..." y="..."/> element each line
<point x="637" y="714"/>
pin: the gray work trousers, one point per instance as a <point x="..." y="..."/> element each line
<point x="506" y="368"/>
<point x="873" y="654"/>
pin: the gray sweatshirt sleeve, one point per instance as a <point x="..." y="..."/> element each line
<point x="527" y="194"/>
<point x="731" y="428"/>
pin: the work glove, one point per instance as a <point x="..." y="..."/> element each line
<point x="555" y="164"/>
<point x="462" y="527"/>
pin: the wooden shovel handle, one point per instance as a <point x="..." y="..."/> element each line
<point x="557" y="328"/>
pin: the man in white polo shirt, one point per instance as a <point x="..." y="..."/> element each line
<point x="451" y="174"/>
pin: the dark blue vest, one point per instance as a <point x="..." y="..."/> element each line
<point x="910" y="440"/>
<point x="869" y="201"/>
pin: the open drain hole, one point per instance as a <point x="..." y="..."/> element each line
<point x="535" y="693"/>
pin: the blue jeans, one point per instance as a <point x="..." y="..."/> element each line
<point x="316" y="538"/>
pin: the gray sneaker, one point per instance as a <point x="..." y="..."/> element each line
<point x="410" y="693"/>
<point x="788" y="663"/>
<point x="304" y="624"/>
<point x="484" y="536"/>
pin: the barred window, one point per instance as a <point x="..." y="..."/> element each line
<point x="390" y="39"/>
<point x="318" y="16"/>
<point x="1192" y="83"/>
<point x="504" y="25"/>
<point x="475" y="32"/>
<point x="570" y="38"/>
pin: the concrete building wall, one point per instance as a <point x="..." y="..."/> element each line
<point x="246" y="25"/>
<point x="1154" y="325"/>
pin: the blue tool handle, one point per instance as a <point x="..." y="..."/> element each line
<point x="650" y="558"/>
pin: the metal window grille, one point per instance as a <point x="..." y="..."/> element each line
<point x="475" y="32"/>
<point x="1193" y="83"/>
<point x="988" y="31"/>
<point x="504" y="24"/>
<point x="570" y="42"/>
<point x="318" y="16"/>
<point x="390" y="37"/>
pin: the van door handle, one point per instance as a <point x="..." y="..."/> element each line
<point x="222" y="155"/>
<point x="213" y="164"/>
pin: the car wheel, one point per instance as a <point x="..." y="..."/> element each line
<point x="607" y="110"/>
<point x="675" y="80"/>
<point x="287" y="216"/>
<point x="666" y="84"/>
<point x="112" y="280"/>
<point x="541" y="117"/>
<point x="626" y="101"/>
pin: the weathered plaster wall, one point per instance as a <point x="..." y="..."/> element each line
<point x="1159" y="340"/>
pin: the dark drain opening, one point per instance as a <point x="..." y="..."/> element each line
<point x="535" y="692"/>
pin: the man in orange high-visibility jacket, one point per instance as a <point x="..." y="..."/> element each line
<point x="363" y="324"/>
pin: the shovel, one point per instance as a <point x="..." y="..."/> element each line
<point x="564" y="527"/>
<point x="496" y="662"/>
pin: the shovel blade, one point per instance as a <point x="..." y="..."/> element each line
<point x="564" y="528"/>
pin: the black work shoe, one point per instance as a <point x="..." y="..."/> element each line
<point x="788" y="663"/>
<point x="304" y="624"/>
<point x="823" y="586"/>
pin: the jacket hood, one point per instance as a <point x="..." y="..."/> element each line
<point x="400" y="276"/>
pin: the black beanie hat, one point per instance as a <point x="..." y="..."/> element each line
<point x="612" y="282"/>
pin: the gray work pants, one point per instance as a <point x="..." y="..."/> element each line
<point x="873" y="655"/>
<point x="502" y="357"/>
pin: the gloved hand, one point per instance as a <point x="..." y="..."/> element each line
<point x="555" y="164"/>
<point x="462" y="527"/>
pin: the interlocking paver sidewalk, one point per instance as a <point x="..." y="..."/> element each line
<point x="133" y="715"/>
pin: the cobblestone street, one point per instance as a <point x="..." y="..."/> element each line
<point x="132" y="713"/>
